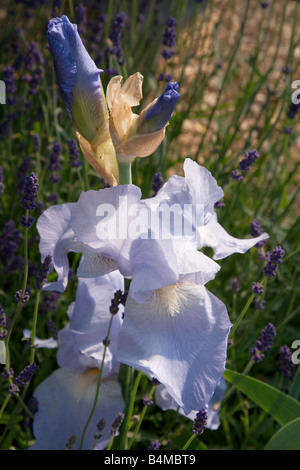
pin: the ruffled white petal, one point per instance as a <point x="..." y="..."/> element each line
<point x="57" y="239"/>
<point x="203" y="186"/>
<point x="223" y="244"/>
<point x="180" y="337"/>
<point x="49" y="343"/>
<point x="101" y="219"/>
<point x="154" y="265"/>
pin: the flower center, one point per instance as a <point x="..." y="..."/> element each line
<point x="170" y="298"/>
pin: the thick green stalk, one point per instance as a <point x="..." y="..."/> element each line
<point x="125" y="173"/>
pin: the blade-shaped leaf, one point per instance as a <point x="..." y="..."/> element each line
<point x="287" y="438"/>
<point x="282" y="407"/>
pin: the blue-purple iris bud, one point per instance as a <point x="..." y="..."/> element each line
<point x="79" y="81"/>
<point x="77" y="76"/>
<point x="162" y="109"/>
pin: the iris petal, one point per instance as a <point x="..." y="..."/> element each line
<point x="179" y="336"/>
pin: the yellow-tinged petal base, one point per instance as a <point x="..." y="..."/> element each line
<point x="102" y="157"/>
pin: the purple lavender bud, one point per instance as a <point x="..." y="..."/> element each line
<point x="154" y="381"/>
<point x="275" y="259"/>
<point x="13" y="389"/>
<point x="277" y="255"/>
<point x="286" y="365"/>
<point x="74" y="153"/>
<point x="263" y="343"/>
<point x="260" y="304"/>
<point x="270" y="269"/>
<point x="118" y="25"/>
<point x="148" y="401"/>
<point x="266" y="338"/>
<point x="106" y="342"/>
<point x="100" y="427"/>
<point x="115" y="302"/>
<point x="34" y="58"/>
<point x="250" y="157"/>
<point x="8" y="374"/>
<point x="200" y="422"/>
<point x="30" y="192"/>
<point x="27" y="222"/>
<point x="219" y="204"/>
<point x="18" y="296"/>
<point x="157" y="183"/>
<point x="167" y="54"/>
<point x="169" y="36"/>
<point x="255" y="231"/>
<point x="43" y="272"/>
<point x="116" y="424"/>
<point x="155" y="445"/>
<point x="26" y="375"/>
<point x="54" y="164"/>
<point x="257" y="288"/>
<point x="2" y="317"/>
<point x="236" y="175"/>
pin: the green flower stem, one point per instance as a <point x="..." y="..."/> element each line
<point x="189" y="441"/>
<point x="142" y="415"/>
<point x="243" y="312"/>
<point x="109" y="17"/>
<point x="34" y="322"/>
<point x="110" y="443"/>
<point x="128" y="376"/>
<point x="97" y="387"/>
<point x="71" y="8"/>
<point x="125" y="173"/>
<point x="19" y="305"/>
<point x="4" y="404"/>
<point x="131" y="400"/>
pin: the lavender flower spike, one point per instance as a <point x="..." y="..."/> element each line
<point x="80" y="86"/>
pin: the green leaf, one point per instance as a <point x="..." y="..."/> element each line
<point x="287" y="438"/>
<point x="280" y="406"/>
